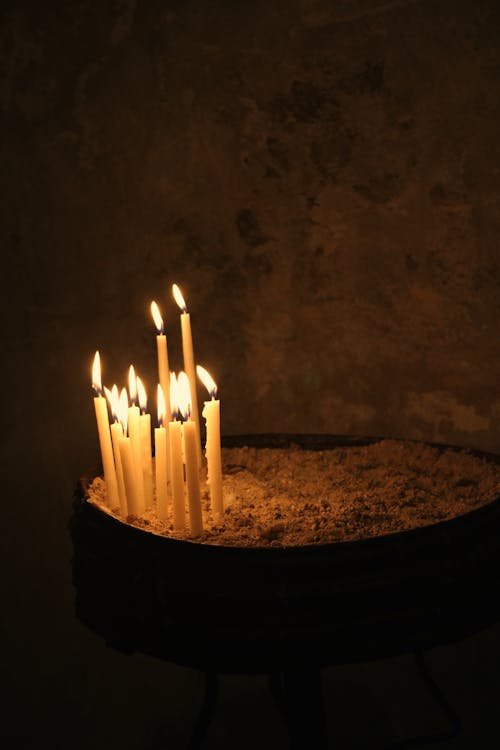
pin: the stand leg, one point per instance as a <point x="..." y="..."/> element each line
<point x="206" y="712"/>
<point x="444" y="705"/>
<point x="298" y="694"/>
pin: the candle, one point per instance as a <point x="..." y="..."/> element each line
<point x="134" y="431"/>
<point x="101" y="413"/>
<point x="190" y="457"/>
<point x="176" y="467"/>
<point x="145" y="436"/>
<point x="162" y="352"/>
<point x="187" y="351"/>
<point x="163" y="370"/>
<point x="116" y="434"/>
<point x="127" y="459"/>
<point x="161" y="458"/>
<point x="211" y="413"/>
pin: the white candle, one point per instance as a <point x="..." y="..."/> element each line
<point x="211" y="413"/>
<point x="192" y="477"/>
<point x="146" y="455"/>
<point x="163" y="372"/>
<point x="116" y="434"/>
<point x="134" y="431"/>
<point x="127" y="459"/>
<point x="101" y="413"/>
<point x="176" y="467"/>
<point x="162" y="352"/>
<point x="188" y="355"/>
<point x="161" y="459"/>
<point x="190" y="457"/>
<point x="129" y="476"/>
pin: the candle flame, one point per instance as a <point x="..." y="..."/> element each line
<point x="184" y="396"/>
<point x="143" y="399"/>
<point x="96" y="374"/>
<point x="162" y="409"/>
<point x="112" y="396"/>
<point x="174" y="397"/>
<point x="122" y="407"/>
<point x="155" y="312"/>
<point x="207" y="380"/>
<point x="132" y="384"/>
<point x="179" y="298"/>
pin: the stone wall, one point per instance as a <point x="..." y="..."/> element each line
<point x="320" y="178"/>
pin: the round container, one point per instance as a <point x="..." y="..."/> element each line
<point x="262" y="608"/>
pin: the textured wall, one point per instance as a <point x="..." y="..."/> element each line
<point x="321" y="178"/>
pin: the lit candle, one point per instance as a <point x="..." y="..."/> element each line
<point x="116" y="434"/>
<point x="101" y="413"/>
<point x="134" y="431"/>
<point x="211" y="412"/>
<point x="161" y="458"/>
<point x="127" y="459"/>
<point x="145" y="433"/>
<point x="163" y="371"/>
<point x="162" y="351"/>
<point x="190" y="457"/>
<point x="176" y="467"/>
<point x="187" y="351"/>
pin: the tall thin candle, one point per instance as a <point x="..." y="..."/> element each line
<point x="116" y="434"/>
<point x="134" y="431"/>
<point x="161" y="458"/>
<point x="101" y="413"/>
<point x="163" y="372"/>
<point x="162" y="352"/>
<point x="211" y="412"/>
<point x="188" y="354"/>
<point x="145" y="434"/>
<point x="190" y="457"/>
<point x="176" y="467"/>
<point x="127" y="459"/>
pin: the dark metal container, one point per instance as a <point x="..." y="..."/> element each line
<point x="255" y="609"/>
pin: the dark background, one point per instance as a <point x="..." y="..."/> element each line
<point x="322" y="180"/>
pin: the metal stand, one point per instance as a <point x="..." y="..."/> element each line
<point x="298" y="696"/>
<point x="443" y="704"/>
<point x="206" y="712"/>
<point x="298" y="693"/>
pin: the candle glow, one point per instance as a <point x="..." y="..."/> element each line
<point x="112" y="396"/>
<point x="179" y="298"/>
<point x="96" y="374"/>
<point x="161" y="408"/>
<point x="174" y="397"/>
<point x="158" y="320"/>
<point x="184" y="402"/>
<point x="132" y="385"/>
<point x="141" y="392"/>
<point x="123" y="410"/>
<point x="207" y="381"/>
